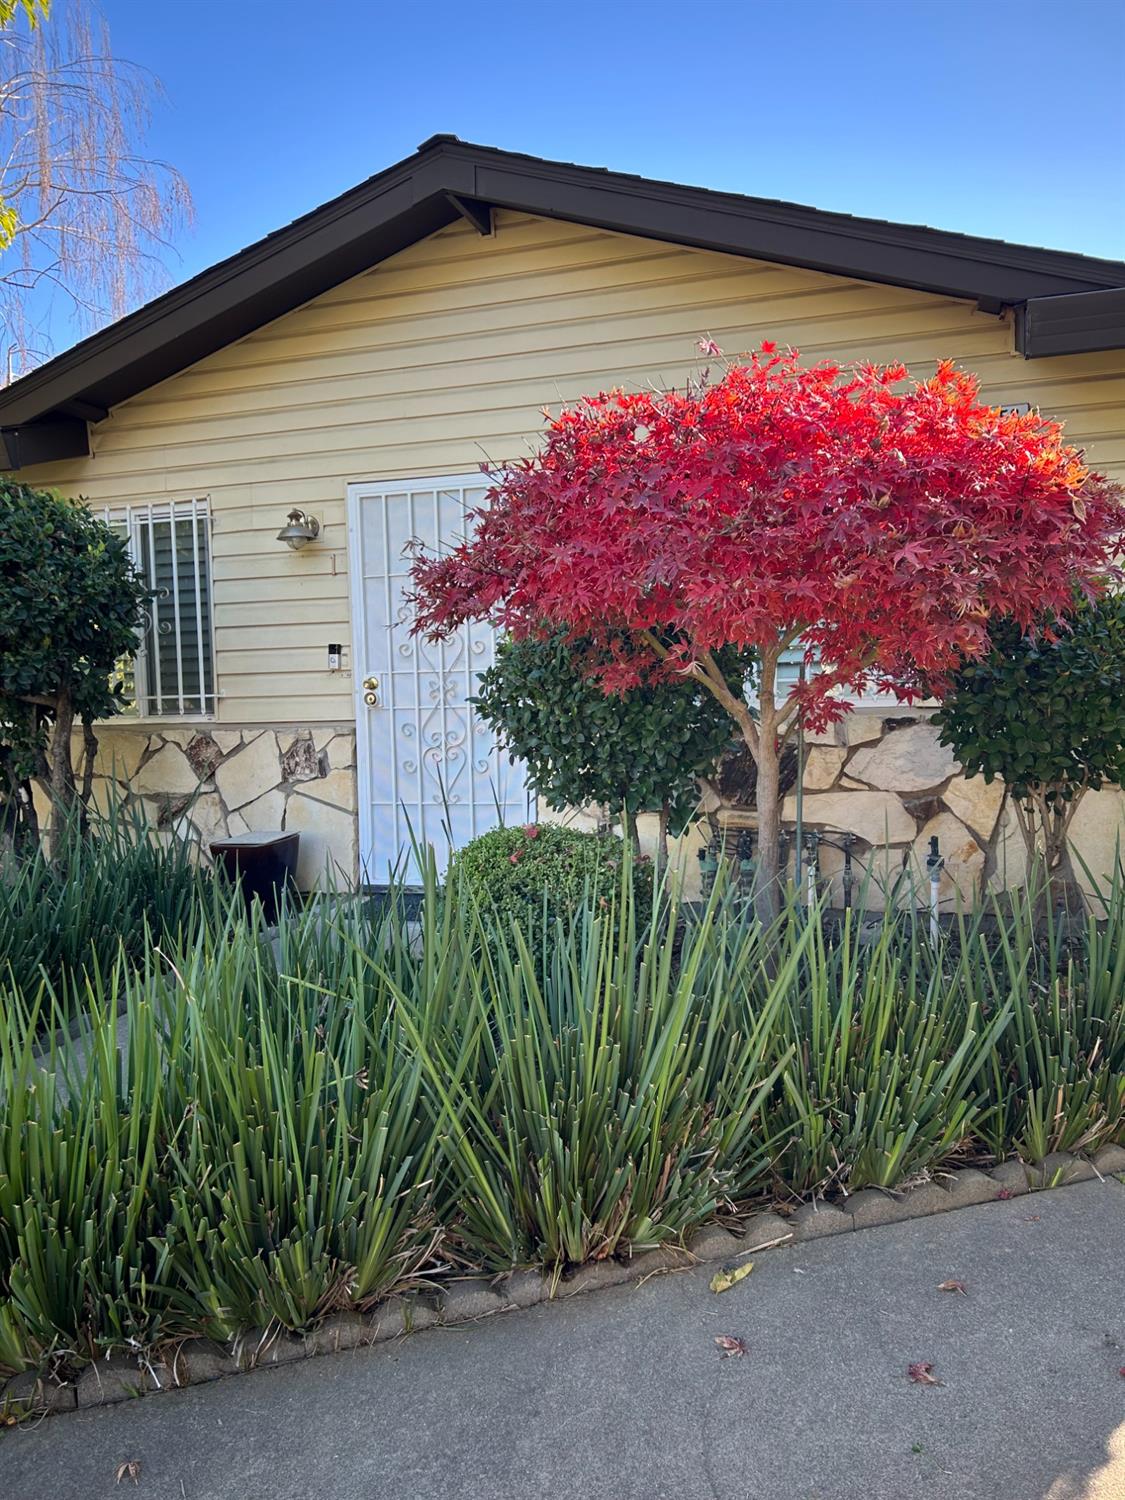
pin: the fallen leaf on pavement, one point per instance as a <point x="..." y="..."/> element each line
<point x="729" y="1276"/>
<point x="732" y="1348"/>
<point x="952" y="1286"/>
<point x="130" y="1469"/>
<point x="1005" y="1193"/>
<point x="922" y="1373"/>
<point x="1121" y="1372"/>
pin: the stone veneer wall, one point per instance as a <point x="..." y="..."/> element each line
<point x="214" y="782"/>
<point x="883" y="777"/>
<point x="880" y="776"/>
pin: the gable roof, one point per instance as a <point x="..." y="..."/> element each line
<point x="1065" y="303"/>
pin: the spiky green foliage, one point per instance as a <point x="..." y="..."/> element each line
<point x="605" y="1101"/>
<point x="117" y="886"/>
<point x="86" y="1229"/>
<point x="302" y="1175"/>
<point x="889" y="1048"/>
<point x="310" y="1119"/>
<point x="1056" y="1079"/>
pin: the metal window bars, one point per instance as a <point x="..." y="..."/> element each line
<point x="173" y="670"/>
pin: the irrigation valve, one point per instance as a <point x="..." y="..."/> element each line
<point x="934" y="864"/>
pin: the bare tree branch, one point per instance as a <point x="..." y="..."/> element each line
<point x="93" y="216"/>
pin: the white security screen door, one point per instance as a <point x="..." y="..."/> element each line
<point x="427" y="769"/>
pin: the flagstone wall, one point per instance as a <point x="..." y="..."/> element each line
<point x="214" y="782"/>
<point x="880" y="776"/>
<point x="884" y="778"/>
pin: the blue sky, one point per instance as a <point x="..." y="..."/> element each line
<point x="989" y="116"/>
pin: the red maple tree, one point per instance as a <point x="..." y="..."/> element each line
<point x="875" y="520"/>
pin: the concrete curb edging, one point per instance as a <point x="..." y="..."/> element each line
<point x="196" y="1361"/>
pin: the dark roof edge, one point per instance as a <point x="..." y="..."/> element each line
<point x="206" y="283"/>
<point x="411" y="199"/>
<point x="1073" y="323"/>
<point x="1085" y="272"/>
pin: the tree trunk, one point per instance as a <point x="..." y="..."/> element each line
<point x="767" y="886"/>
<point x="761" y="738"/>
<point x="1062" y="883"/>
<point x="662" y="838"/>
<point x="89" y="758"/>
<point x="629" y="829"/>
<point x="60" y="784"/>
<point x="1045" y="826"/>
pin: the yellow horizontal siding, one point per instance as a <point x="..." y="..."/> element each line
<point x="445" y="355"/>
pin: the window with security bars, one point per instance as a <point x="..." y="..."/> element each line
<point x="173" y="671"/>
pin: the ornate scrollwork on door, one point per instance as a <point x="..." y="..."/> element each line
<point x="433" y="774"/>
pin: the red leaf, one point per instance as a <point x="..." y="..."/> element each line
<point x="922" y="1373"/>
<point x="731" y="1347"/>
<point x="895" y="515"/>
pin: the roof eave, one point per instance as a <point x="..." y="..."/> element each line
<point x="446" y="178"/>
<point x="1073" y="323"/>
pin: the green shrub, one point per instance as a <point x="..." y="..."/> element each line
<point x="514" y="874"/>
<point x="1045" y="710"/>
<point x="70" y="607"/>
<point x="639" y="751"/>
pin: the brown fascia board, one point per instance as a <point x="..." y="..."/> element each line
<point x="1074" y="323"/>
<point x="43" y="442"/>
<point x="446" y="178"/>
<point x="930" y="260"/>
<point x="233" y="298"/>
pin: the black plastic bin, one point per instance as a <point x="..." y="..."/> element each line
<point x="265" y="863"/>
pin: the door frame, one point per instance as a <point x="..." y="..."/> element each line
<point x="364" y="720"/>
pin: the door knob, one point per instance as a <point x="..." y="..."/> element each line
<point x="371" y="684"/>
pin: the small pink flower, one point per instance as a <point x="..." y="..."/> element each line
<point x="709" y="348"/>
<point x="515" y="858"/>
<point x="531" y="830"/>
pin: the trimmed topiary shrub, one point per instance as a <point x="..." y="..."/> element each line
<point x="1045" y="711"/>
<point x="70" y="609"/>
<point x="512" y="872"/>
<point x="645" y="750"/>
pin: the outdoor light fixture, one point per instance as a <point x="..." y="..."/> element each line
<point x="299" y="530"/>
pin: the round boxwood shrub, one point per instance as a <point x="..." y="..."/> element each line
<point x="512" y="872"/>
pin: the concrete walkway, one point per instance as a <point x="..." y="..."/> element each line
<point x="622" y="1394"/>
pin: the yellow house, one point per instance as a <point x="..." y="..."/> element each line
<point x="347" y="375"/>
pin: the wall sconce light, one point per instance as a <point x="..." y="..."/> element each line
<point x="299" y="530"/>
